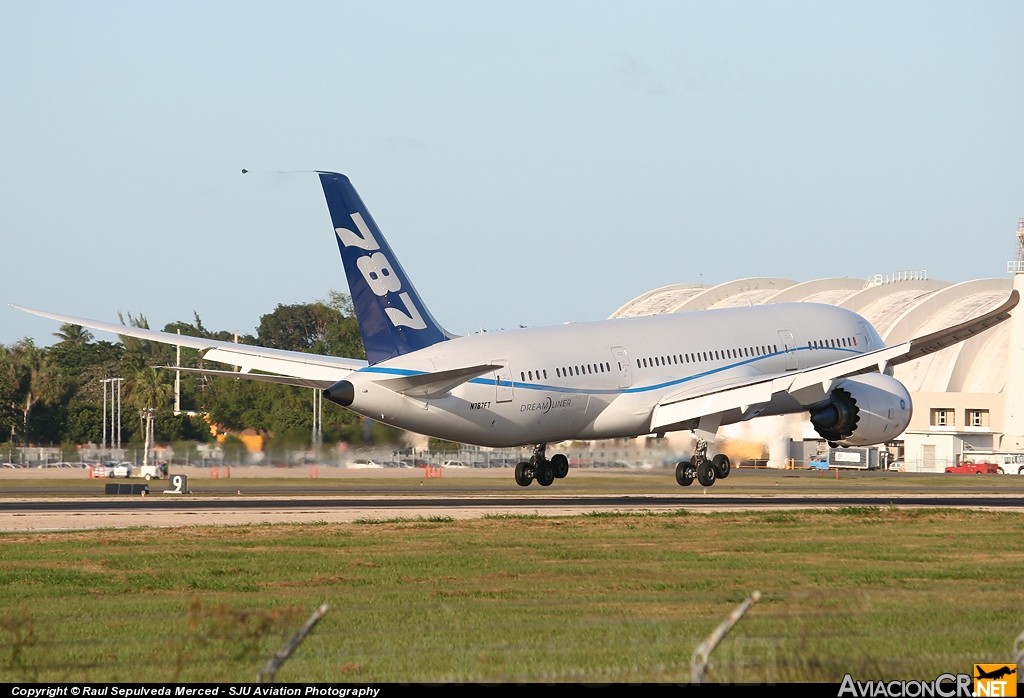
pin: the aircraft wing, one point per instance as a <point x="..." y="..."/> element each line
<point x="295" y="364"/>
<point x="744" y="391"/>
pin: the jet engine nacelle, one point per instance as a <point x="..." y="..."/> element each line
<point x="863" y="411"/>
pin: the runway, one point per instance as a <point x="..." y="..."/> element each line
<point x="166" y="511"/>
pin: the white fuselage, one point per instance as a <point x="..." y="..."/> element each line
<point x="602" y="379"/>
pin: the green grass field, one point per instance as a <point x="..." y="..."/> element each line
<point x="881" y="593"/>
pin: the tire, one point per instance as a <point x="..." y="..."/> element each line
<point x="684" y="473"/>
<point x="521" y="477"/>
<point x="722" y="466"/>
<point x="1000" y="471"/>
<point x="561" y="465"/>
<point x="1020" y="470"/>
<point x="147" y="478"/>
<point x="706" y="473"/>
<point x="545" y="474"/>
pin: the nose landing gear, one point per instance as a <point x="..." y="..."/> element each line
<point x="540" y="468"/>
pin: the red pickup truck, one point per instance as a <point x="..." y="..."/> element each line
<point x="975" y="468"/>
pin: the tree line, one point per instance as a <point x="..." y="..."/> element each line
<point x="55" y="394"/>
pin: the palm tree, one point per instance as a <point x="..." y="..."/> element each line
<point x="37" y="378"/>
<point x="73" y="334"/>
<point x="8" y="388"/>
<point x="147" y="389"/>
<point x="148" y="392"/>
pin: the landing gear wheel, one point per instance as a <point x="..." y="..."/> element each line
<point x="545" y="474"/>
<point x="523" y="475"/>
<point x="706" y="473"/>
<point x="722" y="466"/>
<point x="561" y="465"/>
<point x="684" y="473"/>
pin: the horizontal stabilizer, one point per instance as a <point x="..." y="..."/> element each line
<point x="283" y="380"/>
<point x="431" y="385"/>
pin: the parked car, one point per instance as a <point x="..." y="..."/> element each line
<point x="975" y="468"/>
<point x="120" y="470"/>
<point x="364" y="463"/>
<point x="453" y="464"/>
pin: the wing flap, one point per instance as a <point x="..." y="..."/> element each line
<point x="262" y="377"/>
<point x="720" y="401"/>
<point x="247" y="361"/>
<point x="436" y="384"/>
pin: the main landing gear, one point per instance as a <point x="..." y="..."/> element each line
<point x="699" y="468"/>
<point x="540" y="468"/>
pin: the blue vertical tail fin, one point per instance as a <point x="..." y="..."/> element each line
<point x="392" y="318"/>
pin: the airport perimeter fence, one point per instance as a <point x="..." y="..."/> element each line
<point x="632" y="456"/>
<point x="468" y="457"/>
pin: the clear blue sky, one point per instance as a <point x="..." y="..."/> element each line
<point x="530" y="163"/>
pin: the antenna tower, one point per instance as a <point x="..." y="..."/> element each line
<point x="1016" y="266"/>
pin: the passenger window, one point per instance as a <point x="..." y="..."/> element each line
<point x="522" y="376"/>
<point x="531" y="375"/>
<point x="558" y="373"/>
<point x="545" y="374"/>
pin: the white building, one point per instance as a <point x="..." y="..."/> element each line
<point x="969" y="397"/>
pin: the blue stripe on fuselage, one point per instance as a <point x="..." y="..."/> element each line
<point x="589" y="391"/>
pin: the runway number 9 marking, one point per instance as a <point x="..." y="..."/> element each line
<point x="179" y="485"/>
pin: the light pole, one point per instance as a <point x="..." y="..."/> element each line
<point x="114" y="400"/>
<point x="318" y="419"/>
<point x="119" y="382"/>
<point x="103" y="443"/>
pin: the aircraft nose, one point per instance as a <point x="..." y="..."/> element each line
<point x="341" y="393"/>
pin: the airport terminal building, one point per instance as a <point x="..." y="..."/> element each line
<point x="967" y="398"/>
